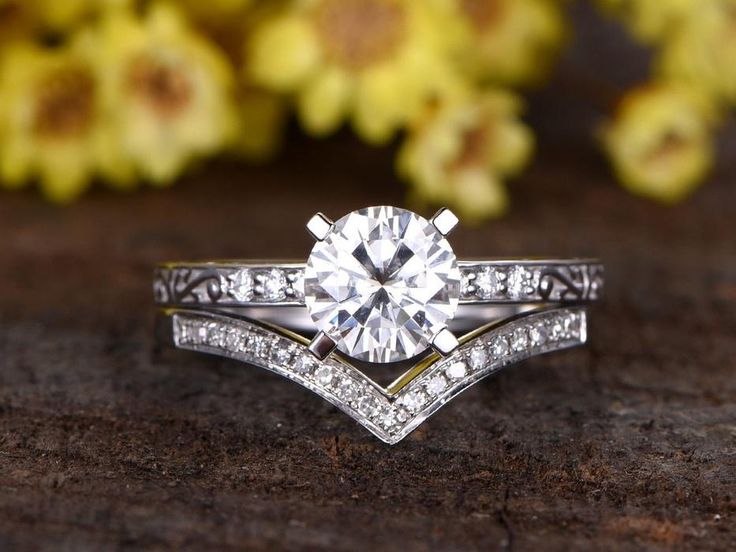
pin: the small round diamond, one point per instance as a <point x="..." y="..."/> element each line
<point x="323" y="375"/>
<point x="368" y="405"/>
<point x="519" y="339"/>
<point x="348" y="390"/>
<point x="519" y="282"/>
<point x="382" y="283"/>
<point x="486" y="283"/>
<point x="456" y="370"/>
<point x="436" y="385"/>
<point x="273" y="285"/>
<point x="478" y="358"/>
<point x="413" y="400"/>
<point x="240" y="285"/>
<point x="280" y="353"/>
<point x="500" y="347"/>
<point x="538" y="334"/>
<point x="303" y="365"/>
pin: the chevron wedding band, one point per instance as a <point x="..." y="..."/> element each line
<point x="382" y="285"/>
<point x="390" y="412"/>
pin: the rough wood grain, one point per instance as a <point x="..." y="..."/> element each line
<point x="106" y="443"/>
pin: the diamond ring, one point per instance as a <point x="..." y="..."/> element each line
<point x="382" y="285"/>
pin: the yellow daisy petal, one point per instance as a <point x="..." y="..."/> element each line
<point x="378" y="108"/>
<point x="323" y="103"/>
<point x="283" y="53"/>
<point x="660" y="141"/>
<point x="477" y="195"/>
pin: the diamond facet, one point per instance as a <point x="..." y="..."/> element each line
<point x="381" y="283"/>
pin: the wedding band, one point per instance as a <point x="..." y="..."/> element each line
<point x="382" y="285"/>
<point x="389" y="412"/>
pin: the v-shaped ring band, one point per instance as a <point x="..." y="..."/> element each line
<point x="391" y="412"/>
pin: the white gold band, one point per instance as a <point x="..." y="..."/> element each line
<point x="390" y="412"/>
<point x="246" y="284"/>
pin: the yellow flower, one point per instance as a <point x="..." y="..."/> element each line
<point x="703" y="50"/>
<point x="511" y="42"/>
<point x="261" y="114"/>
<point x="660" y="141"/>
<point x="262" y="118"/>
<point x="18" y="19"/>
<point x="374" y="61"/>
<point x="213" y="10"/>
<point x="50" y="119"/>
<point x="651" y="21"/>
<point x="460" y="150"/>
<point x="168" y="91"/>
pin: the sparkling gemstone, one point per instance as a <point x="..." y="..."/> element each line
<point x="387" y="417"/>
<point x="368" y="405"/>
<point x="500" y="347"/>
<point x="323" y="375"/>
<point x="232" y="340"/>
<point x="538" y="334"/>
<point x="280" y="353"/>
<point x="456" y="370"/>
<point x="519" y="282"/>
<point x="486" y="283"/>
<point x="557" y="330"/>
<point x="240" y="285"/>
<point x="519" y="339"/>
<point x="348" y="390"/>
<point x="436" y="385"/>
<point x="401" y="415"/>
<point x="303" y="365"/>
<point x="273" y="284"/>
<point x="478" y="358"/>
<point x="414" y="400"/>
<point x="257" y="345"/>
<point x="382" y="283"/>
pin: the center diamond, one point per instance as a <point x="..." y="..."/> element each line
<point x="381" y="283"/>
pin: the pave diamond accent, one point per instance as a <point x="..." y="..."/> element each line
<point x="382" y="283"/>
<point x="389" y="414"/>
<point x="487" y="283"/>
<point x="239" y="285"/>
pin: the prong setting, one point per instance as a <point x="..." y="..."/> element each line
<point x="444" y="342"/>
<point x="322" y="345"/>
<point x="444" y="221"/>
<point x="319" y="226"/>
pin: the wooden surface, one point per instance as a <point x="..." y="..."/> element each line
<point x="629" y="444"/>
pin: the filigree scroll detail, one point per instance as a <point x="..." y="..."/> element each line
<point x="570" y="283"/>
<point x="187" y="285"/>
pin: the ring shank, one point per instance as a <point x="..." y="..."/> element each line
<point x="242" y="284"/>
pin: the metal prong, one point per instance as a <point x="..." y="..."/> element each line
<point x="444" y="342"/>
<point x="319" y="226"/>
<point x="444" y="220"/>
<point x="322" y="345"/>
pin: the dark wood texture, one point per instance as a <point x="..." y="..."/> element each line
<point x="629" y="444"/>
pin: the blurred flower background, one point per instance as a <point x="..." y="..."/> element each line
<point x="123" y="92"/>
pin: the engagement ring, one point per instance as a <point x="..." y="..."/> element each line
<point x="381" y="287"/>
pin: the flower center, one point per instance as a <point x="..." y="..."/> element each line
<point x="474" y="148"/>
<point x="482" y="13"/>
<point x="162" y="86"/>
<point x="359" y="33"/>
<point x="670" y="149"/>
<point x="64" y="103"/>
